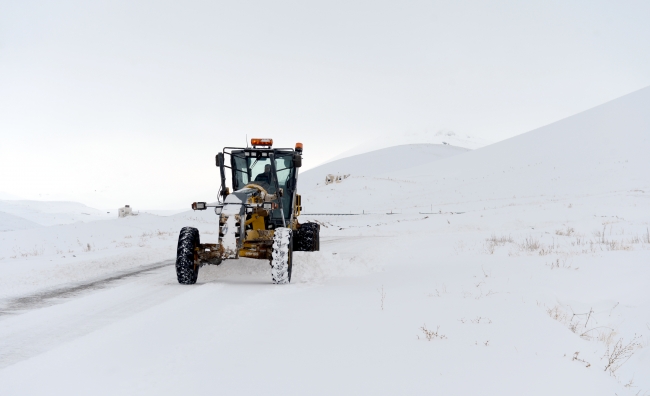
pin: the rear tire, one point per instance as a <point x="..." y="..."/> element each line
<point x="282" y="256"/>
<point x="187" y="261"/>
<point x="307" y="238"/>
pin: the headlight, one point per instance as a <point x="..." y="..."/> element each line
<point x="218" y="210"/>
<point x="199" y="206"/>
<point x="249" y="210"/>
<point x="268" y="205"/>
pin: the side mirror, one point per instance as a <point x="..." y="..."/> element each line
<point x="219" y="159"/>
<point x="297" y="160"/>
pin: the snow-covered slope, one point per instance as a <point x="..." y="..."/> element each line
<point x="48" y="213"/>
<point x="440" y="137"/>
<point x="10" y="222"/>
<point x="604" y="149"/>
<point x="375" y="163"/>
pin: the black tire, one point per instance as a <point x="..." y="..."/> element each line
<point x="187" y="262"/>
<point x="307" y="238"/>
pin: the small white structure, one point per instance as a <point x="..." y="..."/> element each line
<point x="329" y="179"/>
<point x="125" y="211"/>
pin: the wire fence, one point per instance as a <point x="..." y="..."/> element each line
<point x="391" y="213"/>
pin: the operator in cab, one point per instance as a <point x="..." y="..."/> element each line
<point x="264" y="177"/>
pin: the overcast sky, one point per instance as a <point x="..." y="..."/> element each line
<point x="116" y="102"/>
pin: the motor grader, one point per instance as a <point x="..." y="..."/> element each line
<point x="258" y="219"/>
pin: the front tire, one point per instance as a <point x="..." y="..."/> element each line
<point x="187" y="261"/>
<point x="282" y="256"/>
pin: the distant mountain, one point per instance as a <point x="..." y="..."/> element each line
<point x="9" y="222"/>
<point x="48" y="213"/>
<point x="440" y="137"/>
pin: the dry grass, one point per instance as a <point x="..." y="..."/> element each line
<point x="569" y="231"/>
<point x="31" y="252"/>
<point x="501" y="240"/>
<point x="576" y="322"/>
<point x="607" y="337"/>
<point x="560" y="263"/>
<point x="481" y="320"/>
<point x="619" y="353"/>
<point x="605" y="239"/>
<point x="432" y="334"/>
<point x="576" y="358"/>
<point x="493" y="241"/>
<point x="570" y="321"/>
<point x="530" y="244"/>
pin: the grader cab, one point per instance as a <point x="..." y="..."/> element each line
<point x="258" y="219"/>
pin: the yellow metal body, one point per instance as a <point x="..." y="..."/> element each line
<point x="259" y="241"/>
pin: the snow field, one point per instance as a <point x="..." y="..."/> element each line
<point x="518" y="268"/>
<point x="332" y="335"/>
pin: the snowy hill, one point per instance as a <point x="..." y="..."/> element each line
<point x="10" y="222"/>
<point x="48" y="213"/>
<point x="601" y="150"/>
<point x="440" y="137"/>
<point x="375" y="163"/>
<point x="519" y="268"/>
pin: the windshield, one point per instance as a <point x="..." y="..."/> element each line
<point x="251" y="170"/>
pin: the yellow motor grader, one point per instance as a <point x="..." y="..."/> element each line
<point x="258" y="219"/>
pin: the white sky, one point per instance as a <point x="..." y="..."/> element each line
<point x="124" y="102"/>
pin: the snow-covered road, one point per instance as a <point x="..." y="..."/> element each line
<point x="331" y="331"/>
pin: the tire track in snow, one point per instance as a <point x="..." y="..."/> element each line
<point x="47" y="320"/>
<point x="53" y="296"/>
